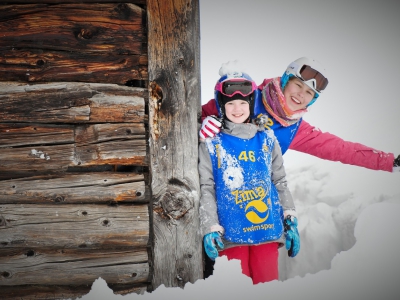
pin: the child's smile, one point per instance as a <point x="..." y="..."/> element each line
<point x="237" y="111"/>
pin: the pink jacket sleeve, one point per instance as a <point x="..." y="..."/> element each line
<point x="311" y="140"/>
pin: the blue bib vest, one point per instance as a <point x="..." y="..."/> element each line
<point x="284" y="135"/>
<point x="247" y="201"/>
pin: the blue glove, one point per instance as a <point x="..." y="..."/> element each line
<point x="292" y="236"/>
<point x="211" y="241"/>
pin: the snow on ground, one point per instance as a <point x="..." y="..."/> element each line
<point x="349" y="250"/>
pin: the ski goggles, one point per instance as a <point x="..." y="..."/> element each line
<point x="307" y="73"/>
<point x="239" y="86"/>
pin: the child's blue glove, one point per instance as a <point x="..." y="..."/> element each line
<point x="292" y="236"/>
<point x="211" y="241"/>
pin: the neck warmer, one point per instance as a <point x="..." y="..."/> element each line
<point x="275" y="103"/>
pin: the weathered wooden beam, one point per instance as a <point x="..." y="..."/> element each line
<point x="70" y="226"/>
<point x="55" y="42"/>
<point x="89" y="188"/>
<point x="73" y="1"/>
<point x="29" y="134"/>
<point x="34" y="292"/>
<point x="40" y="160"/>
<point x="51" y="292"/>
<point x="174" y="105"/>
<point x="71" y="102"/>
<point x="72" y="266"/>
<point x="20" y="134"/>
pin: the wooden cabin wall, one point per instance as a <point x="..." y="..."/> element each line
<point x="74" y="194"/>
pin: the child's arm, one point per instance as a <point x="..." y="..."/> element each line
<point x="278" y="176"/>
<point x="208" y="206"/>
<point x="290" y="216"/>
<point x="311" y="140"/>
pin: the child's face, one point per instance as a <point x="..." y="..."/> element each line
<point x="297" y="94"/>
<point x="237" y="111"/>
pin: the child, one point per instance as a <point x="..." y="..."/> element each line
<point x="245" y="205"/>
<point x="283" y="105"/>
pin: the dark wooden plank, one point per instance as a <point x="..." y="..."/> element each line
<point x="37" y="159"/>
<point x="35" y="292"/>
<point x="51" y="292"/>
<point x="174" y="105"/>
<point x="71" y="266"/>
<point x="131" y="152"/>
<point x="70" y="226"/>
<point x="93" y="188"/>
<point x="108" y="132"/>
<point x="23" y="134"/>
<point x="19" y="134"/>
<point x="46" y="42"/>
<point x="74" y="1"/>
<point x="71" y="103"/>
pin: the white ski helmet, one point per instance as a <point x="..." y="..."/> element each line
<point x="310" y="71"/>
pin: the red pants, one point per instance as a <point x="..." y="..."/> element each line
<point x="259" y="262"/>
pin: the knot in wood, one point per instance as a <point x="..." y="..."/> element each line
<point x="87" y="33"/>
<point x="2" y="221"/>
<point x="176" y="202"/>
<point x="58" y="198"/>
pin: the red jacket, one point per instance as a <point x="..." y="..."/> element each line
<point x="311" y="140"/>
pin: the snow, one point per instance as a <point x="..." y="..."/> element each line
<point x="348" y="216"/>
<point x="232" y="68"/>
<point x="369" y="270"/>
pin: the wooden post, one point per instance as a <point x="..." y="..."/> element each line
<point x="174" y="105"/>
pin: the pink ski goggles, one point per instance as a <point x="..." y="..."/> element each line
<point x="232" y="87"/>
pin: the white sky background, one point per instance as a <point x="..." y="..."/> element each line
<point x="358" y="42"/>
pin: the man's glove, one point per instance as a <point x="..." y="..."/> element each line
<point x="396" y="164"/>
<point x="210" y="127"/>
<point x="292" y="235"/>
<point x="211" y="241"/>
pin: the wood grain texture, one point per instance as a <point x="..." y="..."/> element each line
<point x="75" y="1"/>
<point x="70" y="188"/>
<point x="72" y="226"/>
<point x="70" y="266"/>
<point x="71" y="102"/>
<point x="105" y="42"/>
<point x="174" y="105"/>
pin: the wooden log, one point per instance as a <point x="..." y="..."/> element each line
<point x="75" y="1"/>
<point x="57" y="158"/>
<point x="20" y="134"/>
<point x="174" y="105"/>
<point x="72" y="266"/>
<point x="37" y="159"/>
<point x="23" y="134"/>
<point x="35" y="292"/>
<point x="48" y="226"/>
<point x="71" y="103"/>
<point x="89" y="188"/>
<point x="55" y="42"/>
